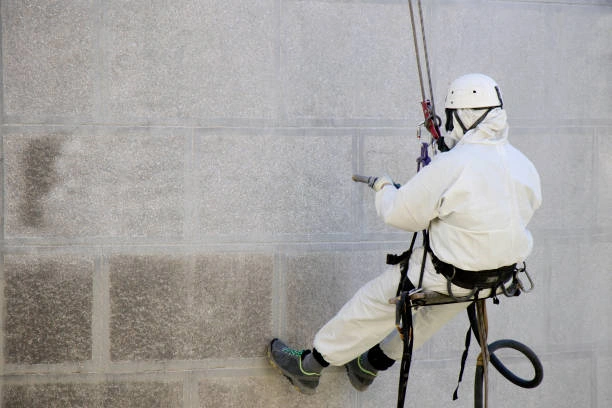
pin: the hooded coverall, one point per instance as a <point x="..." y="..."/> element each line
<point x="476" y="200"/>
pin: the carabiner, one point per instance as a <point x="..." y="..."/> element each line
<point x="520" y="282"/>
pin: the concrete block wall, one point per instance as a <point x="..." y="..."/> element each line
<point x="176" y="191"/>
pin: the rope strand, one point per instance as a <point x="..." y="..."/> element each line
<point x="416" y="49"/>
<point x="431" y="95"/>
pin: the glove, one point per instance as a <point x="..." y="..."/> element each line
<point x="377" y="183"/>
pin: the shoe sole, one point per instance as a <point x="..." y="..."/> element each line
<point x="306" y="391"/>
<point x="356" y="385"/>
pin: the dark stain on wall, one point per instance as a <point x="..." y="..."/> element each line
<point x="48" y="310"/>
<point x="40" y="175"/>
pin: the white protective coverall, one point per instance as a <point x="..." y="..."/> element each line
<point x="476" y="200"/>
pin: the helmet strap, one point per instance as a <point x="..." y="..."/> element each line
<point x="476" y="123"/>
<point x="449" y="120"/>
<point x="501" y="102"/>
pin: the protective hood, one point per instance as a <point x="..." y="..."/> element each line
<point x="493" y="129"/>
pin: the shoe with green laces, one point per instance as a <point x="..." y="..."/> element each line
<point x="297" y="365"/>
<point x="360" y="372"/>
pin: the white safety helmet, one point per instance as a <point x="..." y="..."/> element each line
<point x="473" y="91"/>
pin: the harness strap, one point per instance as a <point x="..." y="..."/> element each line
<point x="471" y="311"/>
<point x="426" y="249"/>
<point x="405" y="307"/>
<point x="403" y="259"/>
<point x="486" y="279"/>
<point x="403" y="314"/>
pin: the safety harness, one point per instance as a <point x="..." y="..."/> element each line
<point x="493" y="281"/>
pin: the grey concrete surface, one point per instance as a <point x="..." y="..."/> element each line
<point x="49" y="59"/>
<point x="93" y="395"/>
<point x="236" y="195"/>
<point x="176" y="192"/>
<point x="166" y="308"/>
<point x="97" y="182"/>
<point x="48" y="309"/>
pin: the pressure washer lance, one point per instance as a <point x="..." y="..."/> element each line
<point x="369" y="180"/>
<point x="365" y="179"/>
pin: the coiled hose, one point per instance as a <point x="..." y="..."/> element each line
<point x="503" y="370"/>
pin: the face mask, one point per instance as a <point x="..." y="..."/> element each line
<point x="450" y="140"/>
<point x="454" y="134"/>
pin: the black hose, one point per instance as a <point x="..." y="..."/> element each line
<point x="478" y="392"/>
<point x="527" y="352"/>
<point x="503" y="370"/>
<point x="513" y="344"/>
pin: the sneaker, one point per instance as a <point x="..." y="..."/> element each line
<point x="289" y="362"/>
<point x="360" y="376"/>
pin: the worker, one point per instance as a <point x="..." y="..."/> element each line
<point x="475" y="199"/>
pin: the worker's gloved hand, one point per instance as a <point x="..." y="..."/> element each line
<point x="377" y="183"/>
